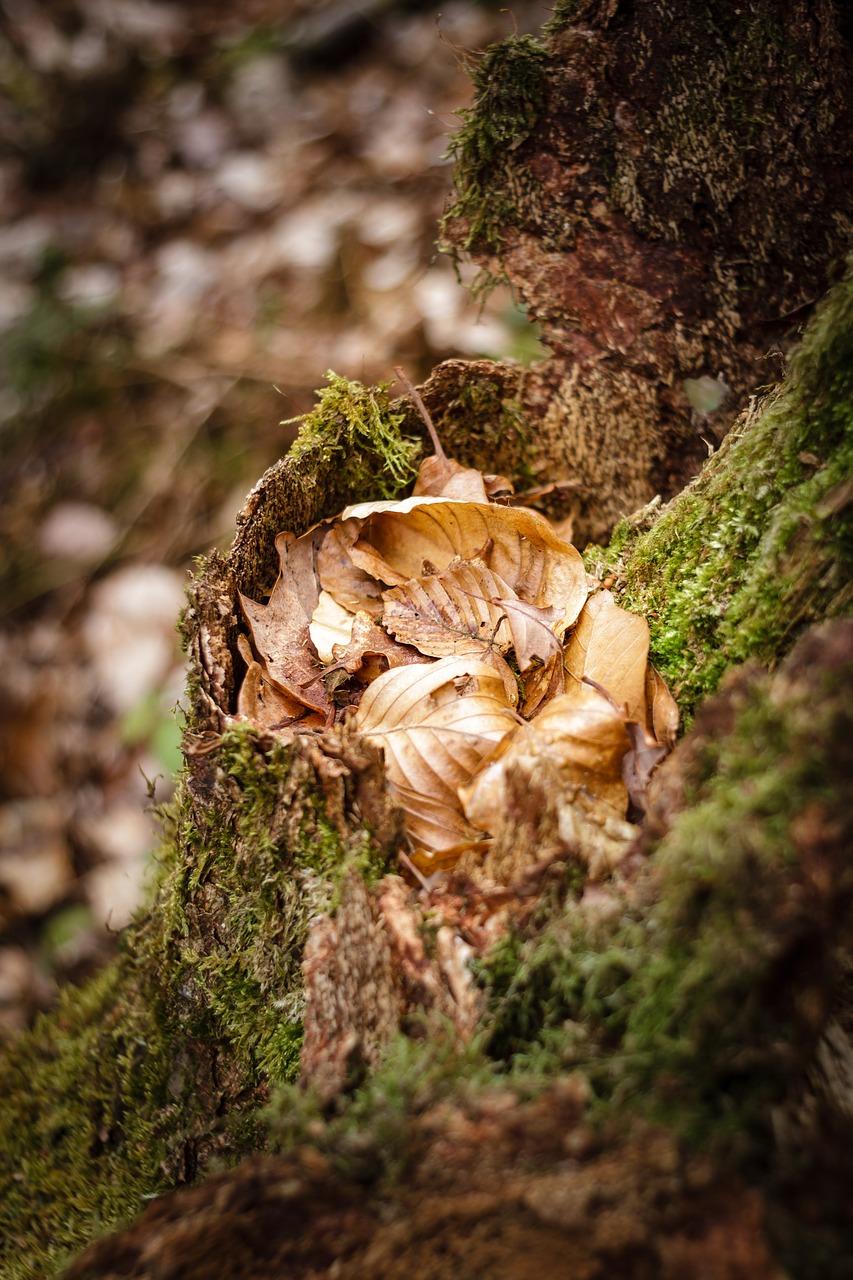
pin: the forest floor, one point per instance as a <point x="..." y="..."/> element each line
<point x="201" y="213"/>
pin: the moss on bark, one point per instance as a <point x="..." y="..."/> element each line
<point x="761" y="545"/>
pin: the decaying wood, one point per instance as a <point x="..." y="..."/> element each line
<point x="496" y="1189"/>
<point x="680" y="188"/>
<point x="678" y="191"/>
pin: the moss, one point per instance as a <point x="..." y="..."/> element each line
<point x="761" y="545"/>
<point x="370" y="1135"/>
<point x="143" y="1078"/>
<point x="676" y="1006"/>
<point x="508" y="86"/>
<point x="351" y="422"/>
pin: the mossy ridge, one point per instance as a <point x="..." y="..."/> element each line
<point x="118" y="1093"/>
<point x="509" y="87"/>
<point x="761" y="545"/>
<point x="675" y="1006"/>
<point x="351" y="421"/>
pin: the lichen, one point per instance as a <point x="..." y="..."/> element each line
<point x="508" y="86"/>
<point x="761" y="544"/>
<point x="351" y="421"/>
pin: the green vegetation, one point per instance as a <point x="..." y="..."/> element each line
<point x="509" y="85"/>
<point x="370" y="1136"/>
<point x="666" y="1002"/>
<point x="143" y="1077"/>
<point x="761" y="545"/>
<point x="351" y="421"/>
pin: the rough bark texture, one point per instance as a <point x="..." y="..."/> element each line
<point x="672" y="1045"/>
<point x="667" y="184"/>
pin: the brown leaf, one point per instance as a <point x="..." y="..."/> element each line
<point x="582" y="733"/>
<point x="611" y="646"/>
<point x="279" y="628"/>
<point x="662" y="715"/>
<point x="468" y="610"/>
<point x="259" y="700"/>
<point x="519" y="546"/>
<point x="638" y="766"/>
<point x="352" y="588"/>
<point x="450" y="612"/>
<point x="441" y="477"/>
<point x="542" y="682"/>
<point x="435" y="724"/>
<point x="371" y="651"/>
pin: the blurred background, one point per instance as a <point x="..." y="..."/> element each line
<point x="200" y="213"/>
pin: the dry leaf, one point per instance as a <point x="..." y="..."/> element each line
<point x="450" y="612"/>
<point x="435" y="724"/>
<point x="519" y="546"/>
<point x="582" y="732"/>
<point x="330" y="625"/>
<point x="298" y="573"/>
<point x="662" y="715"/>
<point x="279" y="628"/>
<point x="371" y="651"/>
<point x="611" y="646"/>
<point x="638" y="766"/>
<point x="352" y="588"/>
<point x="541" y="683"/>
<point x="259" y="700"/>
<point x="581" y="740"/>
<point x="440" y="476"/>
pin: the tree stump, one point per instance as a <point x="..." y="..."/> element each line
<point x="660" y="1076"/>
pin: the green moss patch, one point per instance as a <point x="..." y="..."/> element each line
<point x="761" y="545"/>
<point x="141" y="1079"/>
<point x="509" y="85"/>
<point x="699" y="997"/>
<point x="350" y="423"/>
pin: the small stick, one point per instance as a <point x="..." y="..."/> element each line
<point x="421" y="407"/>
<point x="406" y="861"/>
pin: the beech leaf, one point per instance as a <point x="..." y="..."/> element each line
<point x="450" y="612"/>
<point x="585" y="740"/>
<point x="260" y="701"/>
<point x="519" y="546"/>
<point x="439" y="476"/>
<point x="279" y="628"/>
<point x="662" y="715"/>
<point x="352" y="588"/>
<point x="371" y="651"/>
<point x="435" y="723"/>
<point x="611" y="646"/>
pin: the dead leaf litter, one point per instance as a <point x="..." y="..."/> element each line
<point x="464" y="637"/>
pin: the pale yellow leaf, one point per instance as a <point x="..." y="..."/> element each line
<point x="519" y="546"/>
<point x="330" y="625"/>
<point x="435" y="724"/>
<point x="611" y="646"/>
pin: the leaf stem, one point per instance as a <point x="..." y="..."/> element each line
<point x="421" y="407"/>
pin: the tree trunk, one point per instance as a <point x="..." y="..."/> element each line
<point x="677" y="1035"/>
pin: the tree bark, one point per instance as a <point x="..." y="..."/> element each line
<point x="679" y="1034"/>
<point x="668" y="185"/>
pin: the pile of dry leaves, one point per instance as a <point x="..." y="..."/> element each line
<point x="461" y="633"/>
